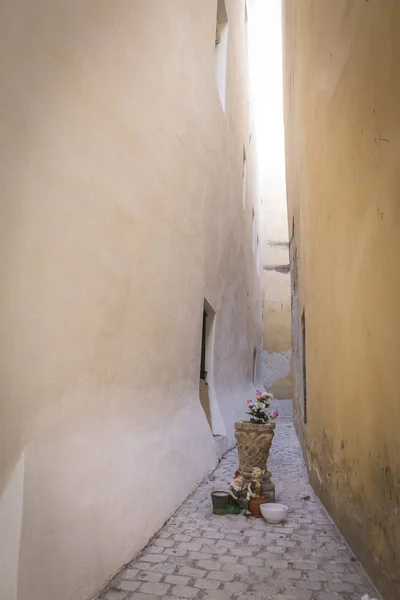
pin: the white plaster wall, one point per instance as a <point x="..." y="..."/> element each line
<point x="121" y="197"/>
<point x="276" y="366"/>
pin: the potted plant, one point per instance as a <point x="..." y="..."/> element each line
<point x="258" y="410"/>
<point x="254" y="439"/>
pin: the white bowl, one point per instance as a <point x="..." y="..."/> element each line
<point x="274" y="513"/>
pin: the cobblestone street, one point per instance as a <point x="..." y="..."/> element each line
<point x="208" y="557"/>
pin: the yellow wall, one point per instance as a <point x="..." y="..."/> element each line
<point x="342" y="98"/>
<point x="121" y="197"/>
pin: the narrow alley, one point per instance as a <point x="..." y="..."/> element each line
<point x="210" y="557"/>
<point x="200" y="217"/>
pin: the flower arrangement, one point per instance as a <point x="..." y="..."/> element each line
<point x="258" y="410"/>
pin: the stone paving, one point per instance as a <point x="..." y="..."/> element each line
<point x="232" y="557"/>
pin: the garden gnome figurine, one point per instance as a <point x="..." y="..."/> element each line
<point x="236" y="486"/>
<point x="254" y="487"/>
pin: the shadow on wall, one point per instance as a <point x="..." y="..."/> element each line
<point x="276" y="373"/>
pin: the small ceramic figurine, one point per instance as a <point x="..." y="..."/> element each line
<point x="236" y="486"/>
<point x="254" y="487"/>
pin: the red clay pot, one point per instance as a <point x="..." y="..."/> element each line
<point x="254" y="506"/>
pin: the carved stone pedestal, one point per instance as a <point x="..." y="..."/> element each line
<point x="254" y="443"/>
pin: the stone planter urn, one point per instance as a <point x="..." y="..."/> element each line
<point x="254" y="443"/>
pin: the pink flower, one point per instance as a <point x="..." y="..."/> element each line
<point x="274" y="414"/>
<point x="249" y="402"/>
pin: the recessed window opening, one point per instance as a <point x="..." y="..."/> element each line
<point x="246" y="42"/>
<point x="294" y="273"/>
<point x="203" y="372"/>
<point x="255" y="367"/>
<point x="244" y="179"/>
<point x="221" y="50"/>
<point x="253" y="241"/>
<point x="206" y="358"/>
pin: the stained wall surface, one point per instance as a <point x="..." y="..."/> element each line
<point x="342" y="95"/>
<point x="121" y="199"/>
